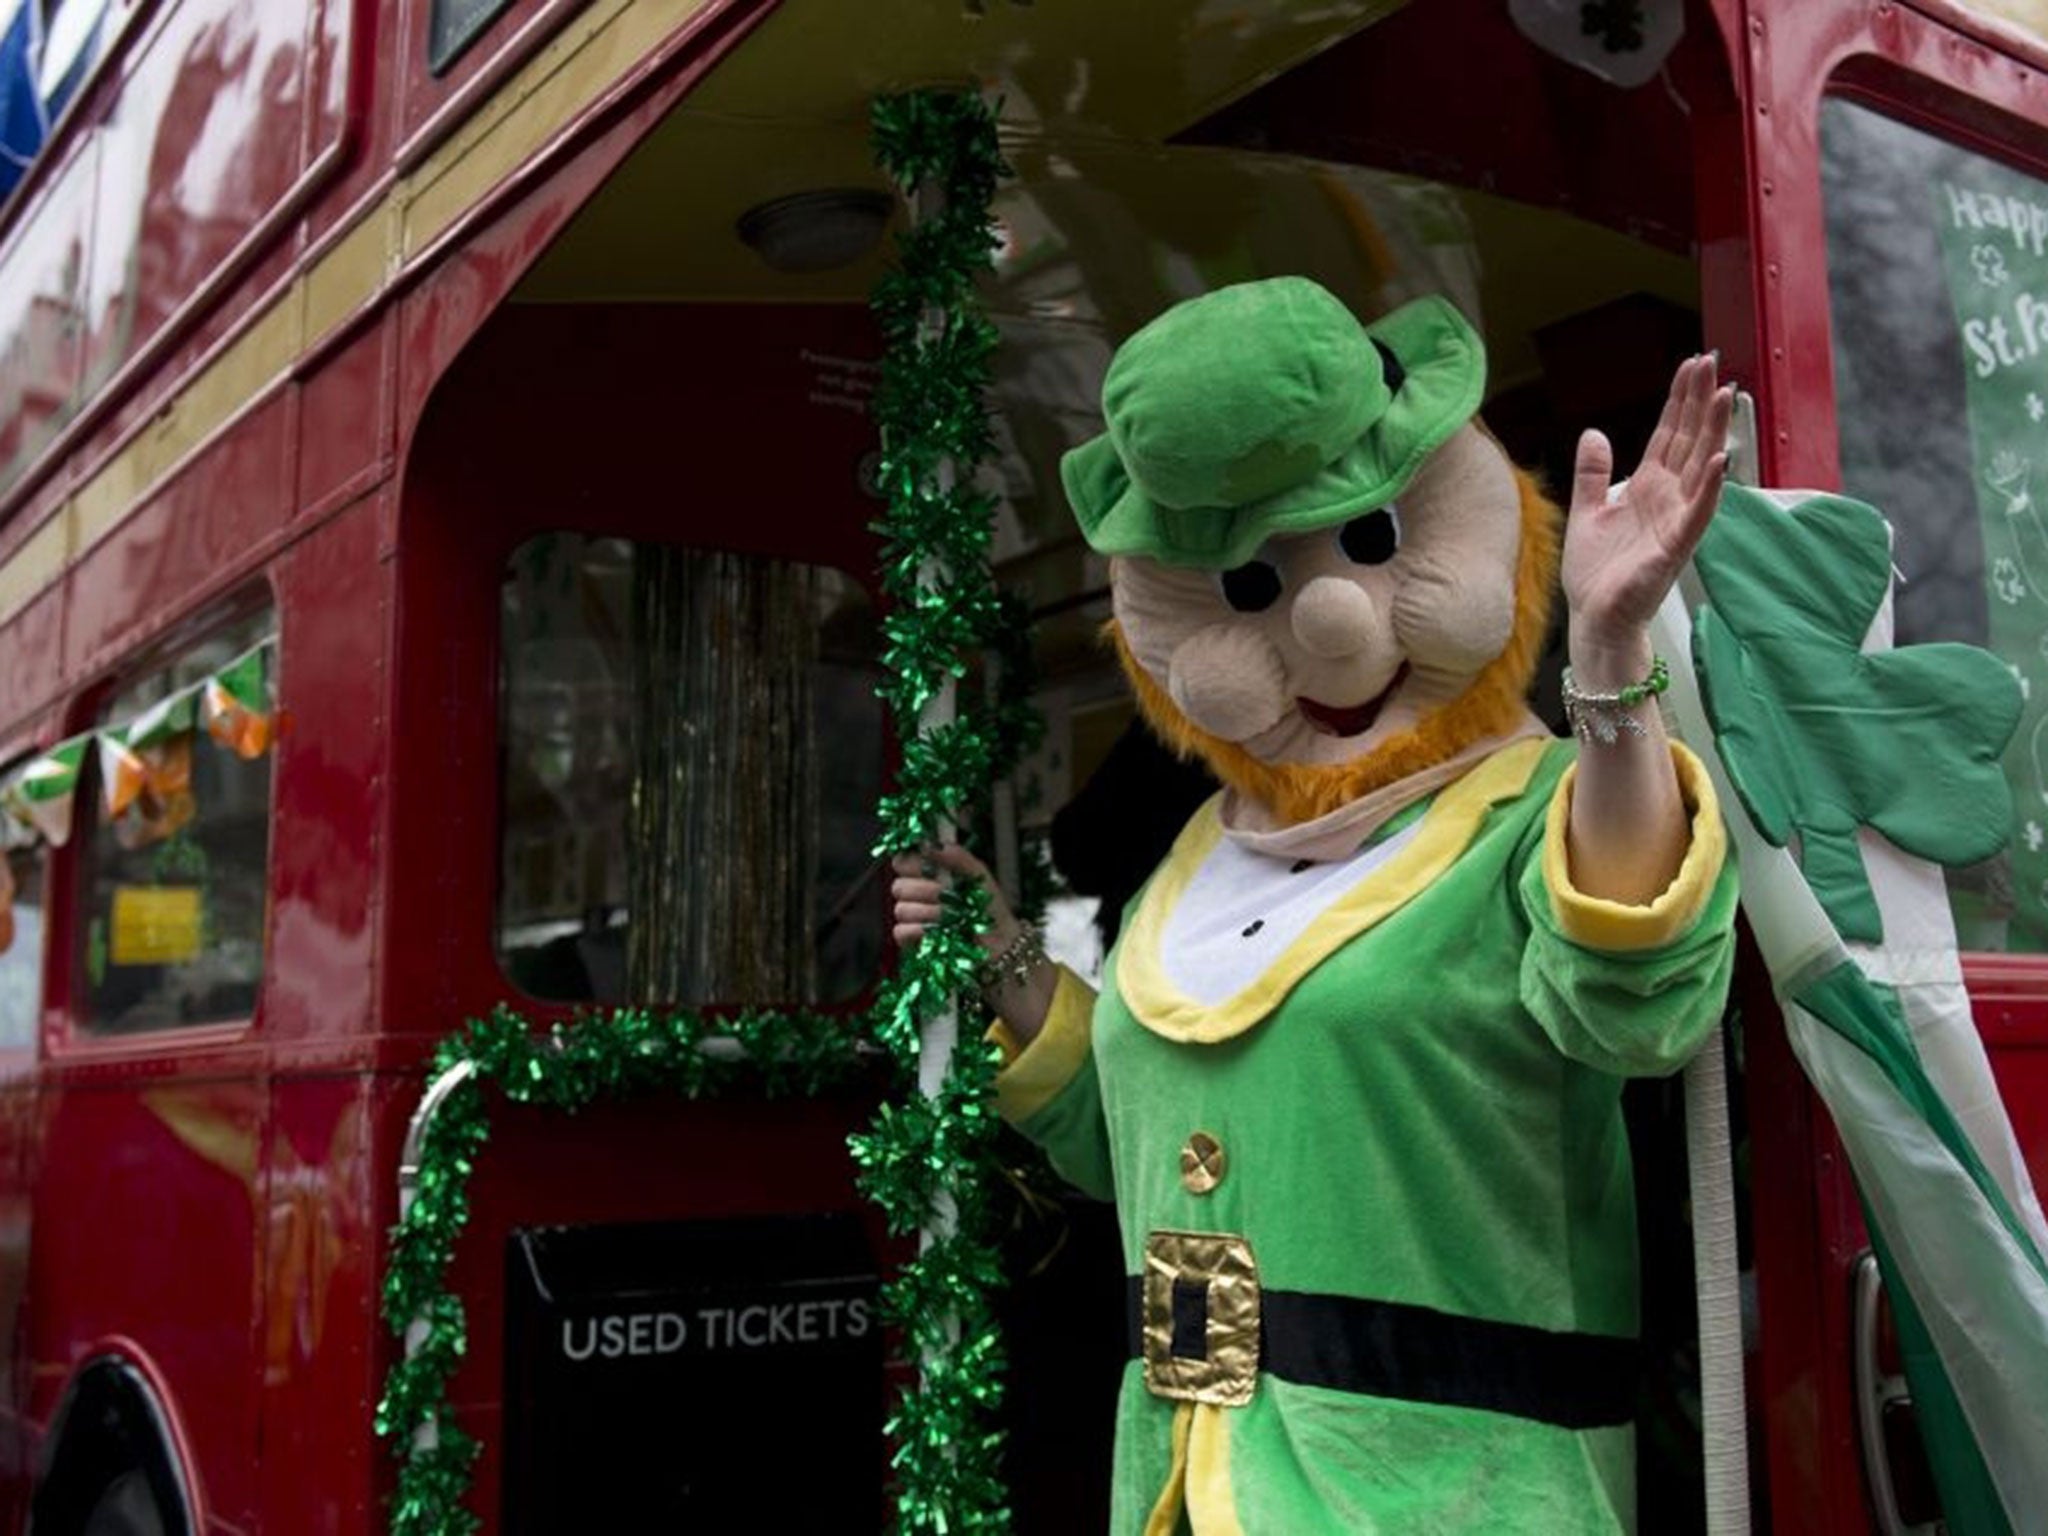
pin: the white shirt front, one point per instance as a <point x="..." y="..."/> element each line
<point x="1242" y="910"/>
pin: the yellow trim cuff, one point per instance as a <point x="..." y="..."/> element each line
<point x="1034" y="1075"/>
<point x="1616" y="927"/>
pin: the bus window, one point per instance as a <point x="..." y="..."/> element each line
<point x="174" y="813"/>
<point x="692" y="753"/>
<point x="1938" y="277"/>
<point x="452" y="25"/>
<point x="21" y="941"/>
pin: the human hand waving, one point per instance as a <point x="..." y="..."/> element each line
<point x="1622" y="552"/>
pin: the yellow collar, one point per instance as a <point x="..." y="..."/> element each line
<point x="1447" y="829"/>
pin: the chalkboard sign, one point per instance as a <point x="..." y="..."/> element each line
<point x="452" y="25"/>
<point x="1992" y="225"/>
<point x="702" y="1376"/>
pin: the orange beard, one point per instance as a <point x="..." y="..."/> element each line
<point x="1298" y="792"/>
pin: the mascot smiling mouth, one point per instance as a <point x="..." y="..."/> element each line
<point x="1350" y="719"/>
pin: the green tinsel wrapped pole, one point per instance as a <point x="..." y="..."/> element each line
<point x="929" y="1160"/>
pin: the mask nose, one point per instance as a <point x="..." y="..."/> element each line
<point x="1333" y="618"/>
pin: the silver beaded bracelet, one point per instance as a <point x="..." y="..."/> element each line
<point x="1604" y="717"/>
<point x="1016" y="961"/>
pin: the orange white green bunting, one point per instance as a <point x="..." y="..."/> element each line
<point x="162" y="721"/>
<point x="236" y="706"/>
<point x="164" y="803"/>
<point x="122" y="774"/>
<point x="40" y="795"/>
<point x="144" y="758"/>
<point x="150" y="757"/>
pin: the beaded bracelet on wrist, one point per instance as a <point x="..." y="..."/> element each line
<point x="1606" y="717"/>
<point x="1013" y="965"/>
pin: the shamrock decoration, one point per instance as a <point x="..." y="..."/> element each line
<point x="1989" y="261"/>
<point x="1819" y="737"/>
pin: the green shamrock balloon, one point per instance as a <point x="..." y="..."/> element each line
<point x="1819" y="737"/>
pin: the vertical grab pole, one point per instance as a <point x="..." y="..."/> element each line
<point x="1710" y="1169"/>
<point x="941" y="1035"/>
<point x="924" y="1159"/>
<point x="1724" y="1428"/>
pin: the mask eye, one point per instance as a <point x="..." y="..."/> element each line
<point x="1373" y="538"/>
<point x="1252" y="587"/>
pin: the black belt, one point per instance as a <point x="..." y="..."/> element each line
<point x="1417" y="1354"/>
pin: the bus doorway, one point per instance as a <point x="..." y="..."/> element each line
<point x="734" y="232"/>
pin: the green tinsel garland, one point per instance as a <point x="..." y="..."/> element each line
<point x="921" y="1153"/>
<point x="629" y="1051"/>
<point x="927" y="1155"/>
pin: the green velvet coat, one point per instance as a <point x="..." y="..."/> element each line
<point x="1419" y="1103"/>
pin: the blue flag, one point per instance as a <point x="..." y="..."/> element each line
<point x="23" y="123"/>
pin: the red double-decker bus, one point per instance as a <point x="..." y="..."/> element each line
<point x="434" y="572"/>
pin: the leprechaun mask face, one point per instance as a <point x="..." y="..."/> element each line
<point x="1326" y="576"/>
<point x="1336" y="662"/>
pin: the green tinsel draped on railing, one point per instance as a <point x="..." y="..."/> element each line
<point x="570" y="1067"/>
<point x="922" y="1155"/>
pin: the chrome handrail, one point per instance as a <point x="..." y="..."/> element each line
<point x="437" y="1094"/>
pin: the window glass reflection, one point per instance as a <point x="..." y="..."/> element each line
<point x="692" y="757"/>
<point x="174" y="830"/>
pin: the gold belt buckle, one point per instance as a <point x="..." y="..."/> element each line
<point x="1201" y="1318"/>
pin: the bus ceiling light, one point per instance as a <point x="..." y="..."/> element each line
<point x="817" y="231"/>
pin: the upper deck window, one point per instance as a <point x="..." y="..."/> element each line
<point x="47" y="51"/>
<point x="1938" y="278"/>
<point x="452" y="25"/>
<point x="692" y="758"/>
<point x="174" y="815"/>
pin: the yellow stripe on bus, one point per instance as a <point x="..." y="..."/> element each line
<point x="593" y="53"/>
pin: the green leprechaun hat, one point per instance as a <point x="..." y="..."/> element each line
<point x="1266" y="408"/>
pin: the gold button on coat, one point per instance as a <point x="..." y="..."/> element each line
<point x="1201" y="1163"/>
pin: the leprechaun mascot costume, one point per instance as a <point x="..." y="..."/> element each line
<point x="1353" y="1078"/>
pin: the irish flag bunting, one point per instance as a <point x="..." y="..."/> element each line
<point x="236" y="706"/>
<point x="122" y="774"/>
<point x="162" y="721"/>
<point x="40" y="794"/>
<point x="146" y="758"/>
